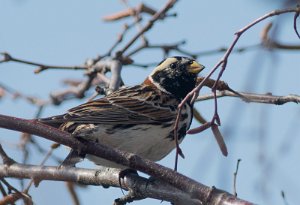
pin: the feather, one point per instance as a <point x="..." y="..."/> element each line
<point x="131" y="105"/>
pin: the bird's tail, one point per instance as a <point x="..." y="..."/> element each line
<point x="55" y="121"/>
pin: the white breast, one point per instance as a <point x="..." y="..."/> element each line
<point x="148" y="141"/>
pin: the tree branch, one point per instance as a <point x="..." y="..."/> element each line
<point x="158" y="15"/>
<point x="192" y="96"/>
<point x="253" y="97"/>
<point x="108" y="177"/>
<point x="197" y="190"/>
<point x="41" y="67"/>
<point x="115" y="66"/>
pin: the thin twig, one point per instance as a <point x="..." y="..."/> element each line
<point x="253" y="97"/>
<point x="128" y="198"/>
<point x="10" y="199"/>
<point x="17" y="195"/>
<point x="284" y="198"/>
<point x="18" y="95"/>
<point x="41" y="67"/>
<point x="295" y="21"/>
<point x="79" y="91"/>
<point x="235" y="176"/>
<point x="5" y="158"/>
<point x="48" y="155"/>
<point x="2" y="190"/>
<point x="223" y="62"/>
<point x="269" y="43"/>
<point x="74" y="196"/>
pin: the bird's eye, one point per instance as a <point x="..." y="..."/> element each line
<point x="173" y="65"/>
<point x="190" y="62"/>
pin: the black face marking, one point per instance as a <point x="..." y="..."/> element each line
<point x="181" y="133"/>
<point x="178" y="81"/>
<point x="175" y="78"/>
<point x="184" y="116"/>
<point x="179" y="58"/>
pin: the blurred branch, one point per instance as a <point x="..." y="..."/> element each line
<point x="11" y="198"/>
<point x="167" y="48"/>
<point x="58" y="97"/>
<point x="94" y="71"/>
<point x="95" y="75"/>
<point x="269" y="43"/>
<point x="198" y="191"/>
<point x="115" y="67"/>
<point x="197" y="115"/>
<point x="18" y="95"/>
<point x="141" y="8"/>
<point x="74" y="196"/>
<point x="284" y="198"/>
<point x="158" y="15"/>
<point x="135" y="13"/>
<point x="224" y="49"/>
<point x="46" y="157"/>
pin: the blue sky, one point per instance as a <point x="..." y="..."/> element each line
<point x="68" y="32"/>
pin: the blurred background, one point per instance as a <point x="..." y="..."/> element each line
<point x="264" y="136"/>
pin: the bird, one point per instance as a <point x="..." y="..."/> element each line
<point x="138" y="119"/>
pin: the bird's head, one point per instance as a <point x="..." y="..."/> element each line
<point x="175" y="75"/>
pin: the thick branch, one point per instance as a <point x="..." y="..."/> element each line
<point x="197" y="190"/>
<point x="108" y="177"/>
<point x="115" y="66"/>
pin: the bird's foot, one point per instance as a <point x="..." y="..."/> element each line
<point x="122" y="175"/>
<point x="150" y="180"/>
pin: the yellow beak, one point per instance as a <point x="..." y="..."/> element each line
<point x="195" y="67"/>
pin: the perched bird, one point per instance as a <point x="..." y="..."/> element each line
<point x="138" y="119"/>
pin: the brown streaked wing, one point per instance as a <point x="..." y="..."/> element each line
<point x="126" y="106"/>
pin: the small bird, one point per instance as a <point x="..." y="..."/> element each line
<point x="138" y="119"/>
